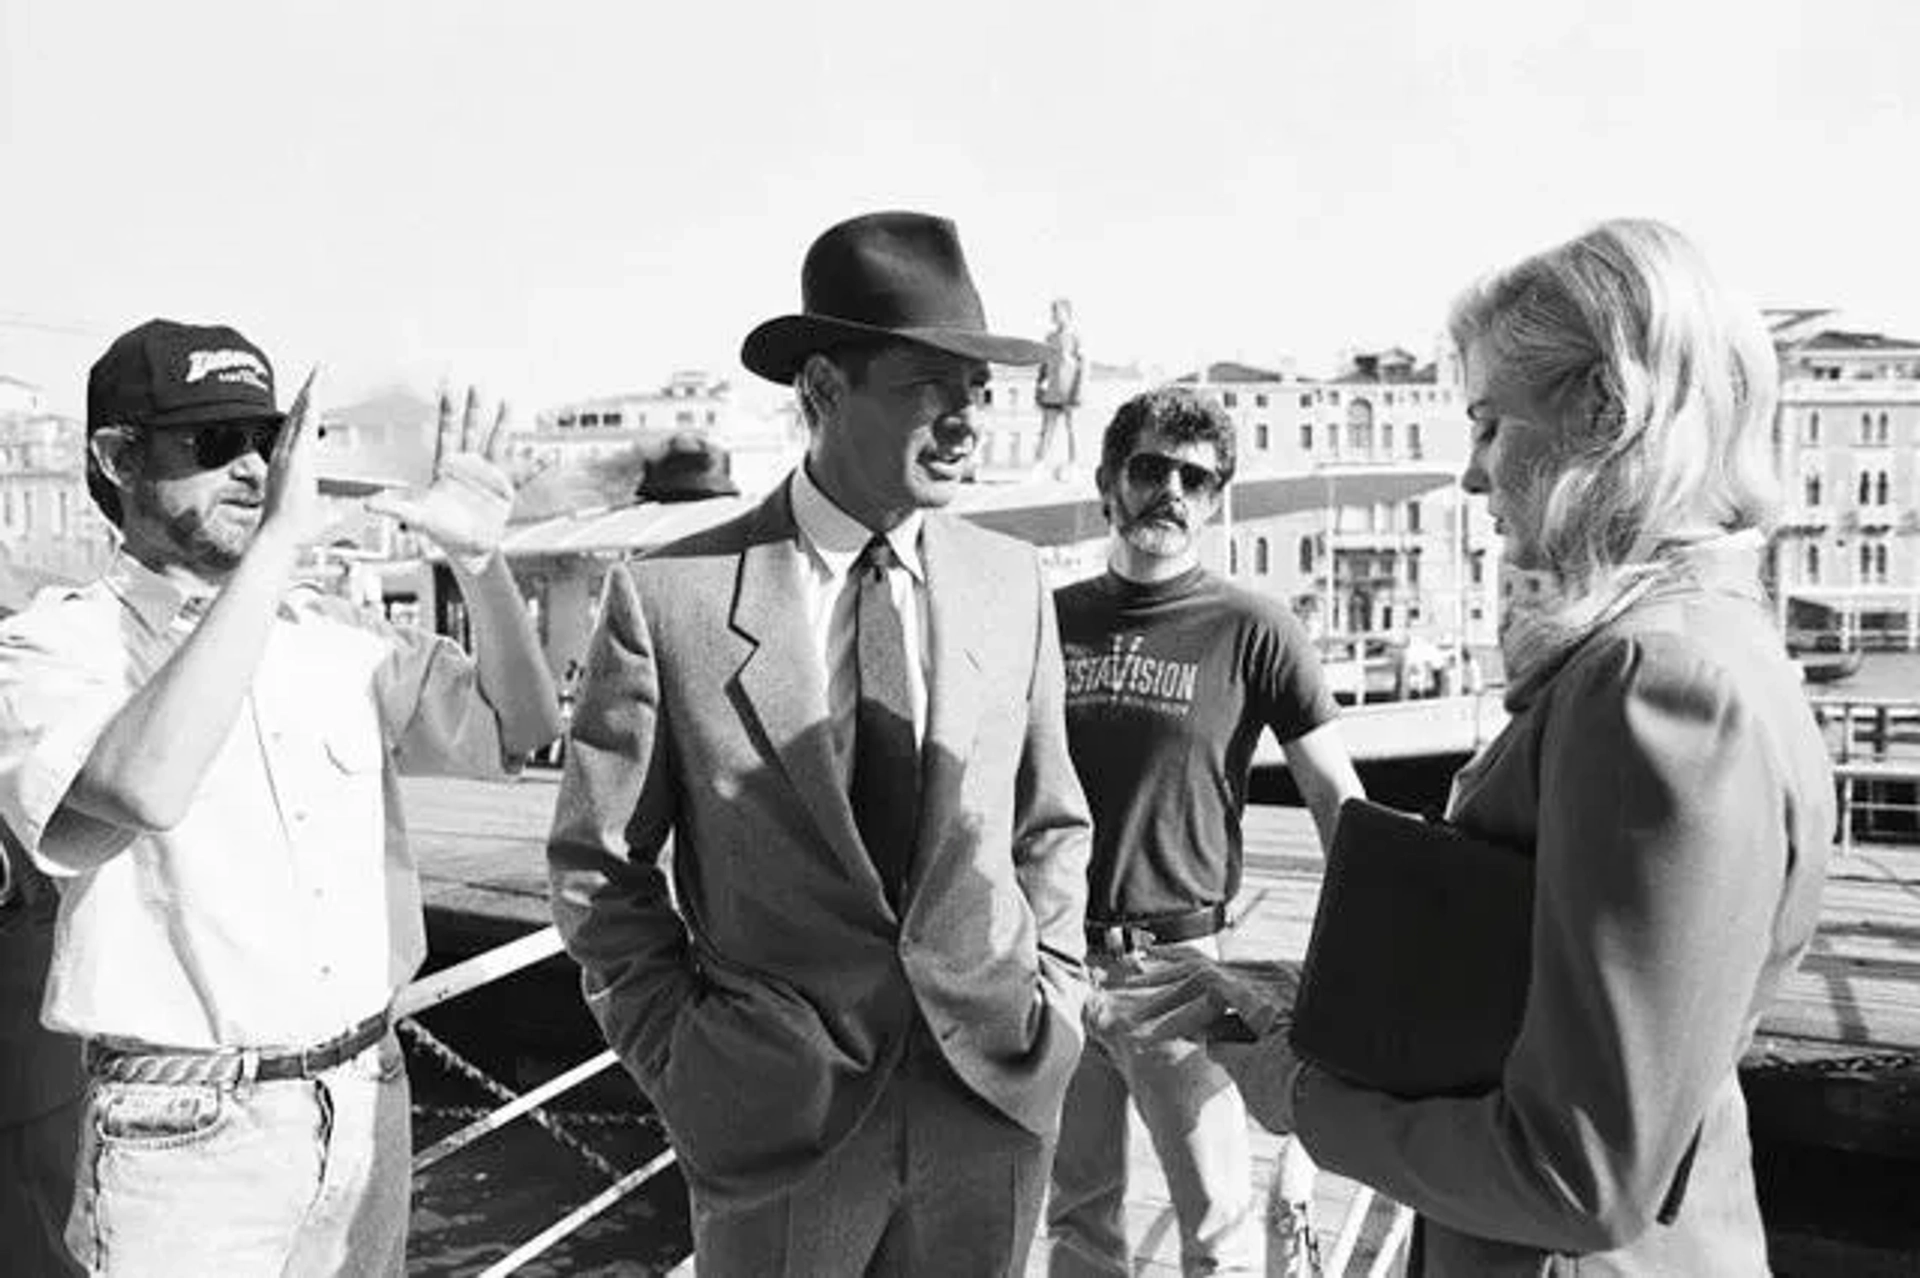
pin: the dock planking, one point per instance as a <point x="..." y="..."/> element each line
<point x="480" y="846"/>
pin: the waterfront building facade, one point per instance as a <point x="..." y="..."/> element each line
<point x="48" y="523"/>
<point x="1422" y="567"/>
<point x="1847" y="442"/>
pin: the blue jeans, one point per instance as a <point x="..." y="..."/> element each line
<point x="1198" y="1123"/>
<point x="296" y="1177"/>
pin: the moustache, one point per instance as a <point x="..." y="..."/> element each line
<point x="1172" y="512"/>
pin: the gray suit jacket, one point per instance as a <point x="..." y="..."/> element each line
<point x="1677" y="795"/>
<point x="762" y="1004"/>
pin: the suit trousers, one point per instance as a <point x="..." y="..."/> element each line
<point x="933" y="1181"/>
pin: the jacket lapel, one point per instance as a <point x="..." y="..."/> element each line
<point x="782" y="681"/>
<point x="958" y="611"/>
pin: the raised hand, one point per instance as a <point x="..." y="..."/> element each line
<point x="292" y="508"/>
<point x="465" y="508"/>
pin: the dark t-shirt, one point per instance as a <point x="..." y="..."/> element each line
<point x="1168" y="687"/>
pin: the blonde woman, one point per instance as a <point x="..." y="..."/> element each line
<point x="1661" y="764"/>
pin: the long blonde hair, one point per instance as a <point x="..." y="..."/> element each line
<point x="1660" y="391"/>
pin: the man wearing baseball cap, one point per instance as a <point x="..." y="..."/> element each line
<point x="858" y="1011"/>
<point x="202" y="755"/>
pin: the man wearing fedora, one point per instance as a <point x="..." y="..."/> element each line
<point x="858" y="1005"/>
<point x="203" y="755"/>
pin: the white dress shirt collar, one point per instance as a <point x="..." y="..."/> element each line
<point x="835" y="539"/>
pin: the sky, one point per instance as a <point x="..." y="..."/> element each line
<point x="567" y="199"/>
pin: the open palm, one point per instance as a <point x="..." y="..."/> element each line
<point x="464" y="509"/>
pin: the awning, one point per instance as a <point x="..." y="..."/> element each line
<point x="1045" y="512"/>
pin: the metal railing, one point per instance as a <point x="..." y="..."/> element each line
<point x="463" y="978"/>
<point x="1875" y="742"/>
<point x="517" y="955"/>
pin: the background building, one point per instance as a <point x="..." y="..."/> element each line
<point x="1847" y="441"/>
<point x="48" y="522"/>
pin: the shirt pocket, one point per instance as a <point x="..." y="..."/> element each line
<point x="353" y="748"/>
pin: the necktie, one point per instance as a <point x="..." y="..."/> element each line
<point x="886" y="757"/>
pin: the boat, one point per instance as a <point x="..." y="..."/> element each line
<point x="1827" y="667"/>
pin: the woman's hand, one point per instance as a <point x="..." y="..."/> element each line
<point x="1172" y="992"/>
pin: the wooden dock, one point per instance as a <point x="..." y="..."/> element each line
<point x="481" y="853"/>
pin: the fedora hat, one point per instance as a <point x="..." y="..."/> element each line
<point x="883" y="277"/>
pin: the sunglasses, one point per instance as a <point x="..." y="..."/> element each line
<point x="215" y="446"/>
<point x="1152" y="470"/>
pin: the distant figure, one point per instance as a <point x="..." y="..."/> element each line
<point x="858" y="1004"/>
<point x="1174" y="675"/>
<point x="688" y="467"/>
<point x="1661" y="767"/>
<point x="1057" y="389"/>
<point x="204" y="754"/>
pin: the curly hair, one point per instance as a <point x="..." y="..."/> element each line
<point x="1179" y="416"/>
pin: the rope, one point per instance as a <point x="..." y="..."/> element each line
<point x="462" y="1067"/>
<point x="1864" y="1063"/>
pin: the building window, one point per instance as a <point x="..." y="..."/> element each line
<point x="1812" y="435"/>
<point x="1230" y="399"/>
<point x="1413" y="440"/>
<point x="1333" y="397"/>
<point x="1306" y="556"/>
<point x="1477" y="567"/>
<point x="1866" y="562"/>
<point x="1306" y="400"/>
<point x="1260" y="556"/>
<point x="1233" y="558"/>
<point x="1260" y="400"/>
<point x="610" y="419"/>
<point x="1413" y="570"/>
<point x="1813" y="562"/>
<point x="1413" y="516"/>
<point x="986" y="397"/>
<point x="1262" y="438"/>
<point x="1880" y="488"/>
<point x="1880" y="563"/>
<point x="1812" y="486"/>
<point x="1386" y="438"/>
<point x="589" y="419"/>
<point x="1306" y="437"/>
<point x="1881" y="432"/>
<point x="1013" y="397"/>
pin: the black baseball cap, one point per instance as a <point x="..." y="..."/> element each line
<point x="165" y="373"/>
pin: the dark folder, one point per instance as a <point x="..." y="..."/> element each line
<point x="1416" y="972"/>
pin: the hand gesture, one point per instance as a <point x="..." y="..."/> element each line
<point x="1174" y="992"/>
<point x="1239" y="1010"/>
<point x="464" y="509"/>
<point x="292" y="508"/>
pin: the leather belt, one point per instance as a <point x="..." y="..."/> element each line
<point x="1126" y="936"/>
<point x="230" y="1066"/>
